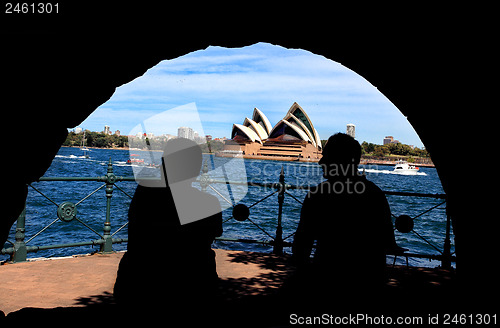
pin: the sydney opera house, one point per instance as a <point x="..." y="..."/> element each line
<point x="292" y="138"/>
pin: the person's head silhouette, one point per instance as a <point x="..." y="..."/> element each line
<point x="181" y="161"/>
<point x="181" y="164"/>
<point x="341" y="156"/>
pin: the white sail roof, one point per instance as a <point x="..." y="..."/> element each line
<point x="318" y="140"/>
<point x="301" y="115"/>
<point x="294" y="120"/>
<point x="261" y="119"/>
<point x="249" y="133"/>
<point x="296" y="128"/>
<point x="259" y="129"/>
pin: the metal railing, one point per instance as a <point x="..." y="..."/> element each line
<point x="67" y="212"/>
<point x="278" y="242"/>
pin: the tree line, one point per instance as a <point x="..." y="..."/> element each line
<point x="95" y="139"/>
<point x="398" y="149"/>
<point x="101" y="140"/>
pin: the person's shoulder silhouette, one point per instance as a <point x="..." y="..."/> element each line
<point x="171" y="229"/>
<point x="348" y="218"/>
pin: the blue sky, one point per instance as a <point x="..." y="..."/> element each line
<point x="225" y="84"/>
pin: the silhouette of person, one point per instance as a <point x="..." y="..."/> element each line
<point x="349" y="219"/>
<point x="169" y="260"/>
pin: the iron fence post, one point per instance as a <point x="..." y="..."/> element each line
<point x="446" y="259"/>
<point x="20" y="251"/>
<point x="110" y="178"/>
<point x="204" y="178"/>
<point x="278" y="241"/>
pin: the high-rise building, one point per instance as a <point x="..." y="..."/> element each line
<point x="185" y="132"/>
<point x="106" y="129"/>
<point x="351" y="130"/>
<point x="388" y="140"/>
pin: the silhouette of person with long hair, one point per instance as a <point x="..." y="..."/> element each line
<point x="350" y="220"/>
<point x="169" y="260"/>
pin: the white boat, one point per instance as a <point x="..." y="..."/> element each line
<point x="403" y="167"/>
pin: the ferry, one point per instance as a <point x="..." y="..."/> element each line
<point x="403" y="167"/>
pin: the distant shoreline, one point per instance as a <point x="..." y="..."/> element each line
<point x="120" y="148"/>
<point x="390" y="163"/>
<point x="364" y="160"/>
<point x="110" y="148"/>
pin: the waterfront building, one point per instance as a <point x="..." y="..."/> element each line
<point x="78" y="130"/>
<point x="294" y="137"/>
<point x="117" y="133"/>
<point x="220" y="139"/>
<point x="351" y="130"/>
<point x="106" y="130"/>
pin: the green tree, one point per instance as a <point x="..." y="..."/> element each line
<point x="90" y="138"/>
<point x="368" y="147"/>
<point x="381" y="150"/>
<point x="100" y="141"/>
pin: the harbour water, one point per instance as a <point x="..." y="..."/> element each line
<point x="70" y="162"/>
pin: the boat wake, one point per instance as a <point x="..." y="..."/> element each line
<point x="392" y="172"/>
<point x="122" y="163"/>
<point x="71" y="156"/>
<point x="65" y="159"/>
